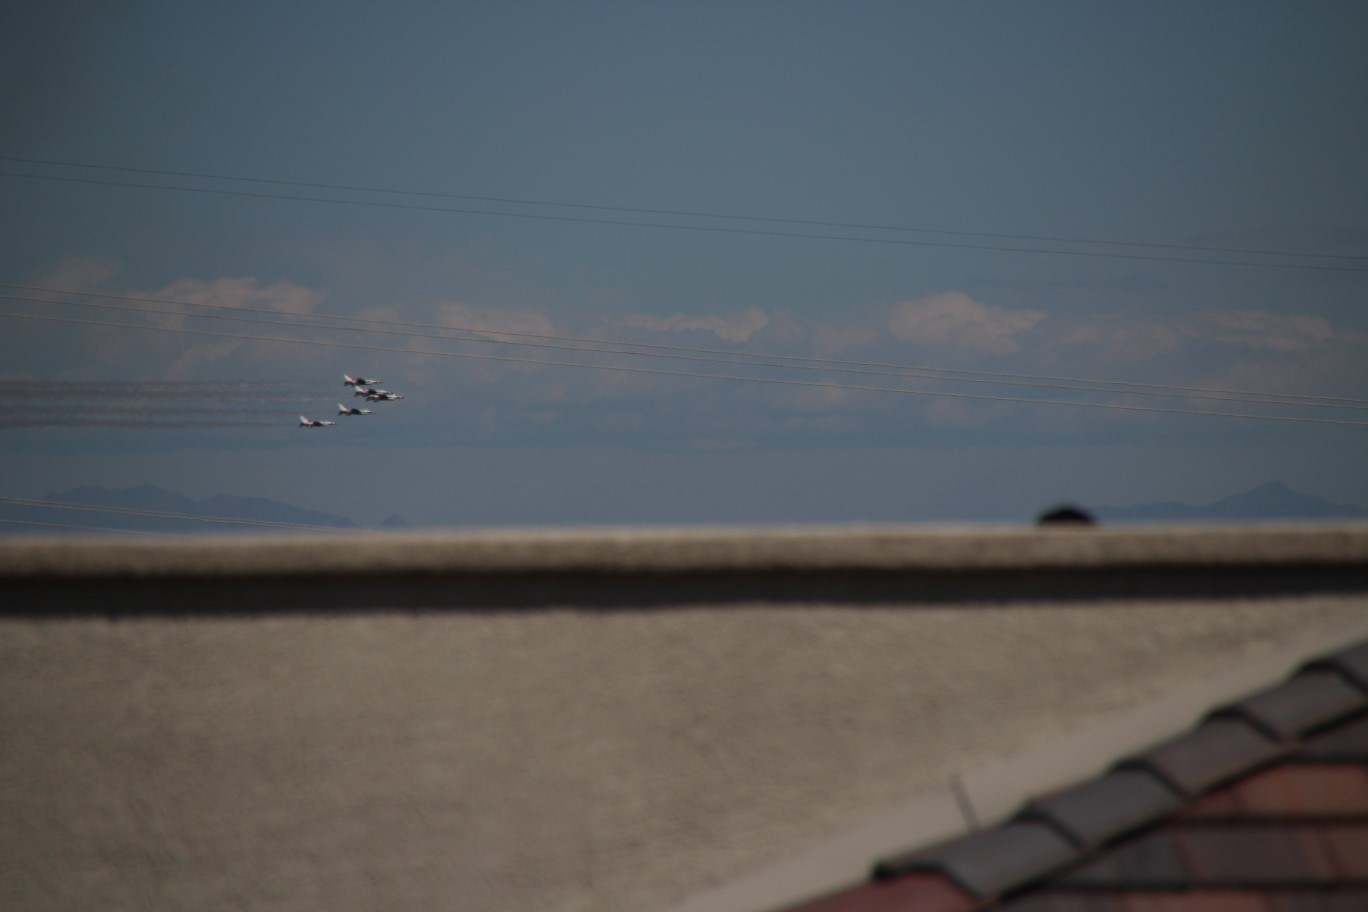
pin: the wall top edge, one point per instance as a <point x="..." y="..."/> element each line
<point x="696" y="550"/>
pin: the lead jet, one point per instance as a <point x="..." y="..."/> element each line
<point x="346" y="410"/>
<point x="376" y="395"/>
<point x="310" y="423"/>
<point x="349" y="380"/>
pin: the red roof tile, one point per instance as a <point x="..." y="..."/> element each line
<point x="1339" y="790"/>
<point x="1226" y="855"/>
<point x="1326" y="901"/>
<point x="1067" y="901"/>
<point x="1242" y="900"/>
<point x="1348" y="850"/>
<point x="1196" y="901"/>
<point x="920" y="892"/>
<point x="1220" y="803"/>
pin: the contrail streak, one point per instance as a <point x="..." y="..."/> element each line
<point x="8" y="422"/>
<point x="154" y="384"/>
<point x="182" y="391"/>
<point x="71" y="410"/>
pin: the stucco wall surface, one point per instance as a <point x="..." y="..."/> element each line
<point x="542" y="760"/>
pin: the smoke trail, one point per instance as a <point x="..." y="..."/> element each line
<point x="150" y="384"/>
<point x="166" y="405"/>
<point x="185" y="391"/>
<point x="8" y="422"/>
<point x="75" y="411"/>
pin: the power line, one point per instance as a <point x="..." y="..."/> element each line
<point x="702" y="376"/>
<point x="677" y="212"/>
<point x="902" y="242"/>
<point x="920" y="371"/>
<point x="166" y="514"/>
<point x="733" y="358"/>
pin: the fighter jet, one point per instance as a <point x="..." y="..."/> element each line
<point x="362" y="391"/>
<point x="345" y="410"/>
<point x="376" y="395"/>
<point x="310" y="423"/>
<point x="349" y="380"/>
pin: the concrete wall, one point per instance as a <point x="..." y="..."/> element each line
<point x="513" y="754"/>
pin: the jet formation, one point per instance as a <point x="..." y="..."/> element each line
<point x="361" y="386"/>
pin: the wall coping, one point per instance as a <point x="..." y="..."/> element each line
<point x="675" y="551"/>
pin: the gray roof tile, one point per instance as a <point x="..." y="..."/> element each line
<point x="1208" y="755"/>
<point x="1103" y="808"/>
<point x="1352" y="663"/>
<point x="992" y="861"/>
<point x="1310" y="699"/>
<point x="1344" y="743"/>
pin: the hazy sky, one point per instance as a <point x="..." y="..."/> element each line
<point x="1224" y="126"/>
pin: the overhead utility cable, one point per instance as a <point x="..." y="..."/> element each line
<point x="670" y="373"/>
<point x="294" y="324"/>
<point x="862" y="239"/>
<point x="684" y="213"/>
<point x="735" y="357"/>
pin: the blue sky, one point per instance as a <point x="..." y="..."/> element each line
<point x="1225" y="125"/>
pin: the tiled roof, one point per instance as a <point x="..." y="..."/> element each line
<point x="1262" y="807"/>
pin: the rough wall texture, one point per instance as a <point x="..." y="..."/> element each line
<point x="550" y="760"/>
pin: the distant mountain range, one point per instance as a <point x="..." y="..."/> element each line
<point x="1271" y="501"/>
<point x="89" y="509"/>
<point x="133" y="510"/>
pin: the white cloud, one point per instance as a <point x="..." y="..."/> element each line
<point x="1262" y="329"/>
<point x="1096" y="343"/>
<point x="239" y="292"/>
<point x="841" y="341"/>
<point x="736" y="328"/>
<point x="103" y="348"/>
<point x="494" y="319"/>
<point x="477" y="369"/>
<point x="80" y="273"/>
<point x="965" y="413"/>
<point x="957" y="322"/>
<point x="285" y="297"/>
